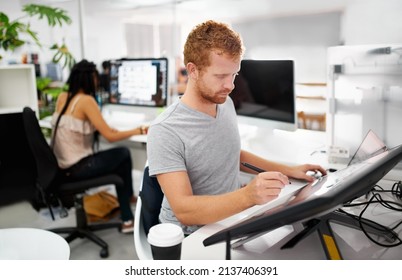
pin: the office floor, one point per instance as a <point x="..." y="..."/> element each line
<point x="121" y="246"/>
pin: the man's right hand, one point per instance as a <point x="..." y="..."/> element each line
<point x="266" y="186"/>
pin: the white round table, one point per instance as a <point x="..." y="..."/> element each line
<point x="32" y="244"/>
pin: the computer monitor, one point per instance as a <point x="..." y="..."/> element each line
<point x="139" y="82"/>
<point x="316" y="199"/>
<point x="264" y="89"/>
<point x="54" y="71"/>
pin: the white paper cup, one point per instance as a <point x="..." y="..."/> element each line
<point x="165" y="240"/>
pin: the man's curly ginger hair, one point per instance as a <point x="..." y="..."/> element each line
<point x="208" y="37"/>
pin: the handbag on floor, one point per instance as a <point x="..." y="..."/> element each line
<point x="100" y="205"/>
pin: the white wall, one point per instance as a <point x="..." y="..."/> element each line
<point x="104" y="38"/>
<point x="304" y="39"/>
<point x="372" y="22"/>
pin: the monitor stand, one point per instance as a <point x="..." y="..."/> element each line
<point x="323" y="227"/>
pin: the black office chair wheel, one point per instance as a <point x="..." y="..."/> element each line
<point x="104" y="253"/>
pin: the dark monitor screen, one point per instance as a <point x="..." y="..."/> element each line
<point x="265" y="89"/>
<point x="141" y="82"/>
<point x="316" y="199"/>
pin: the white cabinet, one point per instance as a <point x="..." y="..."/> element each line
<point x="17" y="88"/>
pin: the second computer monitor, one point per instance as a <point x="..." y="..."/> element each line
<point x="140" y="82"/>
<point x="264" y="89"/>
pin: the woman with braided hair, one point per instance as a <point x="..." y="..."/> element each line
<point x="77" y="123"/>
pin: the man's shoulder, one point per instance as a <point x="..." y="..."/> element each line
<point x="166" y="115"/>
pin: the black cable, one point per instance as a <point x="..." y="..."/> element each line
<point x="379" y="227"/>
<point x="377" y="198"/>
<point x="385" y="203"/>
<point x="397" y="225"/>
<point x="394" y="191"/>
<point x="397" y="189"/>
<point x="369" y="237"/>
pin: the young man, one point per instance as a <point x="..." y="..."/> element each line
<point x="194" y="146"/>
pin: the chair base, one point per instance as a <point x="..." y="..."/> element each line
<point x="85" y="230"/>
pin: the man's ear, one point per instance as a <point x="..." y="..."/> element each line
<point x="192" y="70"/>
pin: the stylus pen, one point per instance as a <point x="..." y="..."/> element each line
<point x="252" y="167"/>
<point x="255" y="168"/>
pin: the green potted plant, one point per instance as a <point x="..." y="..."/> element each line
<point x="48" y="93"/>
<point x="48" y="90"/>
<point x="11" y="31"/>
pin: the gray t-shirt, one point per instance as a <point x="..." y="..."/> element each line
<point x="207" y="148"/>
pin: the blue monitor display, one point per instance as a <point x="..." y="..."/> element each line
<point x="265" y="89"/>
<point x="140" y="82"/>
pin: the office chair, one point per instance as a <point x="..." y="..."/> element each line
<point x="146" y="214"/>
<point x="53" y="189"/>
<point x="15" y="159"/>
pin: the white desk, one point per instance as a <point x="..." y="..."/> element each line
<point x="32" y="244"/>
<point x="290" y="147"/>
<point x="128" y="117"/>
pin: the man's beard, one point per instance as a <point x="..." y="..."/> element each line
<point x="209" y="96"/>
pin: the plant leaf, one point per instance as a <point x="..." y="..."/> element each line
<point x="54" y="15"/>
<point x="33" y="35"/>
<point x="42" y="83"/>
<point x="3" y="19"/>
<point x="56" y="58"/>
<point x="9" y="34"/>
<point x="62" y="53"/>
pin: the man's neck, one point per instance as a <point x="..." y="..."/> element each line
<point x="194" y="101"/>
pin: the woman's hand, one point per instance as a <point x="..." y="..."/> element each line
<point x="144" y="129"/>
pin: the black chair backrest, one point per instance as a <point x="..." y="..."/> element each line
<point x="151" y="197"/>
<point x="46" y="162"/>
<point x="17" y="165"/>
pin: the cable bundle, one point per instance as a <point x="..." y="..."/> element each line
<point x="376" y="198"/>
